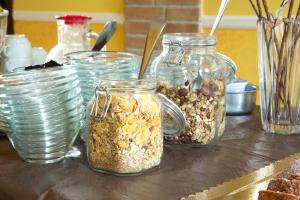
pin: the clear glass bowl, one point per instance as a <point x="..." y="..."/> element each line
<point x="50" y="126"/>
<point x="49" y="117"/>
<point x="24" y="121"/>
<point x="13" y="86"/>
<point x="41" y="112"/>
<point x="41" y="107"/>
<point x="44" y="149"/>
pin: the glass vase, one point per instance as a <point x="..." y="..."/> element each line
<point x="278" y="44"/>
<point x="3" y="27"/>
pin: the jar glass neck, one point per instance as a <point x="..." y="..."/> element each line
<point x="191" y="47"/>
<point x="145" y="85"/>
<point x="190" y="39"/>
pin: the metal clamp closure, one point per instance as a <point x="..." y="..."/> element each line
<point x="95" y="106"/>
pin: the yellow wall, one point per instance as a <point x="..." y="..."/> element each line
<point x="236" y="7"/>
<point x="241" y="46"/>
<point x="115" y="6"/>
<point x="44" y="33"/>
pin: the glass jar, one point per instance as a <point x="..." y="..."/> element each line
<point x="125" y="133"/>
<point x="190" y="72"/>
<point x="94" y="66"/>
<point x="74" y="34"/>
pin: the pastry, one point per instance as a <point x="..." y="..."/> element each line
<point x="285" y="187"/>
<point x="271" y="195"/>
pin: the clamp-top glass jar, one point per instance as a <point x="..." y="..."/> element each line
<point x="190" y="72"/>
<point x="125" y="132"/>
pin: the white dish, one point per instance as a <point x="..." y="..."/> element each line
<point x="17" y="46"/>
<point x="38" y="55"/>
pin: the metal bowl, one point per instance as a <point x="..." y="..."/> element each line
<point x="241" y="103"/>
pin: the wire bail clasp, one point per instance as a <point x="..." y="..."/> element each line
<point x="95" y="106"/>
<point x="175" y="53"/>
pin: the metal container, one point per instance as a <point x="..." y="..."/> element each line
<point x="241" y="103"/>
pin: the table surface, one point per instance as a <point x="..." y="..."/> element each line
<point x="183" y="171"/>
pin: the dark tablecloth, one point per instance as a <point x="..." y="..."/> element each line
<point x="244" y="148"/>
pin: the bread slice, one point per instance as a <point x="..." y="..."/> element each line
<point x="285" y="185"/>
<point x="271" y="195"/>
<point x="294" y="177"/>
<point x="290" y="172"/>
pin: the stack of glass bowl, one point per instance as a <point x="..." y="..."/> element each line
<point x="94" y="66"/>
<point x="41" y="112"/>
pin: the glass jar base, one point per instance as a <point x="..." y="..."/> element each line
<point x="125" y="174"/>
<point x="282" y="129"/>
<point x="180" y="144"/>
<point x="188" y="145"/>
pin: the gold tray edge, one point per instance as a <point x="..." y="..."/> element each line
<point x="246" y="182"/>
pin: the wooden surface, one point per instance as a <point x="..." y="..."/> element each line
<point x="244" y="148"/>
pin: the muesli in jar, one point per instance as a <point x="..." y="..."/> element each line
<point x="192" y="74"/>
<point x="125" y="131"/>
<point x="204" y="110"/>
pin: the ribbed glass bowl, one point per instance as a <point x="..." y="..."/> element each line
<point x="48" y="118"/>
<point x="41" y="111"/>
<point x="42" y="107"/>
<point x="94" y="66"/>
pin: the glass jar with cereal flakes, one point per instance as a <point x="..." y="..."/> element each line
<point x="125" y="133"/>
<point x="191" y="73"/>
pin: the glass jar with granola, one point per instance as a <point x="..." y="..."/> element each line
<point x="125" y="133"/>
<point x="190" y="72"/>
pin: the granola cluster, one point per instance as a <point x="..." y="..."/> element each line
<point x="129" y="139"/>
<point x="203" y="108"/>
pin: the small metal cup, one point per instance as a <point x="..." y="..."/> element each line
<point x="241" y="103"/>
